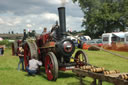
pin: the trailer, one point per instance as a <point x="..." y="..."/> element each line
<point x="109" y="38"/>
<point x="126" y="38"/>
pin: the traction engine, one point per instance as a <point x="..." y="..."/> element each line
<point x="55" y="50"/>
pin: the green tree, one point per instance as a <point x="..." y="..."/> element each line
<point x="104" y="15"/>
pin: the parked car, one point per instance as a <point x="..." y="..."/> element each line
<point x="97" y="42"/>
<point x="74" y="40"/>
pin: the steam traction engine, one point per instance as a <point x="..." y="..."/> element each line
<point x="54" y="52"/>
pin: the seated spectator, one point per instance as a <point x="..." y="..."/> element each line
<point x="33" y="66"/>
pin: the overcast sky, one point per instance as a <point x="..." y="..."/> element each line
<point x="16" y="15"/>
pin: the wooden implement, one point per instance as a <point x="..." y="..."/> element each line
<point x="123" y="76"/>
<point x="97" y="69"/>
<point x="112" y="78"/>
<point x="86" y="67"/>
<point x="111" y="72"/>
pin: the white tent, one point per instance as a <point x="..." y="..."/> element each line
<point x="1" y="39"/>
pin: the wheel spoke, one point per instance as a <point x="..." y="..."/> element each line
<point x="50" y="75"/>
<point x="27" y="55"/>
<point x="51" y="66"/>
<point x="81" y="58"/>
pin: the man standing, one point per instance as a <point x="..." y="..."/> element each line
<point x="33" y="66"/>
<point x="21" y="57"/>
<point x="44" y="31"/>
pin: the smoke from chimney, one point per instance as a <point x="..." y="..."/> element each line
<point x="63" y="2"/>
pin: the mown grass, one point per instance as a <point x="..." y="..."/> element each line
<point x="10" y="76"/>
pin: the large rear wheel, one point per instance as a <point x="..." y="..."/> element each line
<point x="13" y="51"/>
<point x="30" y="50"/>
<point x="81" y="58"/>
<point x="14" y="48"/>
<point x="51" y="66"/>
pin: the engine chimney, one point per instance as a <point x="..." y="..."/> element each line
<point x="62" y="21"/>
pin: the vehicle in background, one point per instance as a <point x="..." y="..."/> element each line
<point x="82" y="38"/>
<point x="87" y="37"/>
<point x="97" y="42"/>
<point x="79" y="40"/>
<point x="109" y="38"/>
<point x="126" y="38"/>
<point x="74" y="40"/>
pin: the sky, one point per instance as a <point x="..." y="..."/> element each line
<point x="16" y="15"/>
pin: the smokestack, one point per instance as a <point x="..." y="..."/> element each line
<point x="62" y="21"/>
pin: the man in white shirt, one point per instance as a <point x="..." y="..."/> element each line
<point x="33" y="66"/>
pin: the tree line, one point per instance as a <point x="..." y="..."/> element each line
<point x="103" y="16"/>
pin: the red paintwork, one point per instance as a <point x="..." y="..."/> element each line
<point x="66" y="49"/>
<point x="62" y="68"/>
<point x="48" y="70"/>
<point x="26" y="54"/>
<point x="86" y="46"/>
<point x="44" y="38"/>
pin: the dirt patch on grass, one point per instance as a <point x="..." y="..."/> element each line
<point x="117" y="47"/>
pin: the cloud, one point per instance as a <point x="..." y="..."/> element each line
<point x="50" y="16"/>
<point x="58" y="2"/>
<point x="17" y="15"/>
<point x="29" y="25"/>
<point x="1" y="21"/>
<point x="10" y="21"/>
<point x="74" y="23"/>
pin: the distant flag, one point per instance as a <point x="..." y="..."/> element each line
<point x="29" y="30"/>
<point x="70" y="29"/>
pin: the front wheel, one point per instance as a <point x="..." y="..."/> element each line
<point x="81" y="58"/>
<point x="51" y="66"/>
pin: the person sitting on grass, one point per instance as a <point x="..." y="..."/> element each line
<point x="21" y="57"/>
<point x="33" y="66"/>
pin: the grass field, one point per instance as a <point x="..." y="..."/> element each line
<point x="10" y="76"/>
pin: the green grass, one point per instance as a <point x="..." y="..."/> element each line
<point x="10" y="76"/>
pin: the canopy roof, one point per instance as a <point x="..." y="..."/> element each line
<point x="120" y="34"/>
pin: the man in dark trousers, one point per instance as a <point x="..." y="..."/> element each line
<point x="21" y="57"/>
<point x="33" y="66"/>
